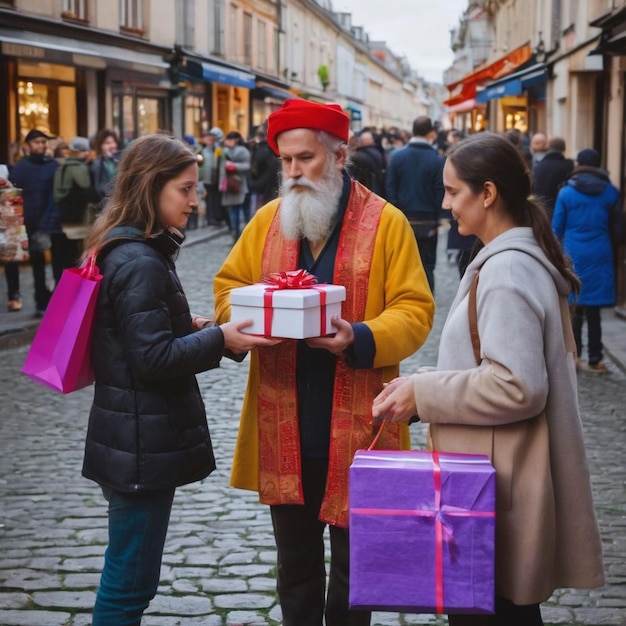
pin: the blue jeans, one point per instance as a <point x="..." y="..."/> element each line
<point x="132" y="562"/>
<point x="235" y="212"/>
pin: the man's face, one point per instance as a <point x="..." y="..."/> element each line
<point x="312" y="182"/>
<point x="38" y="146"/>
<point x="303" y="155"/>
<point x="538" y="143"/>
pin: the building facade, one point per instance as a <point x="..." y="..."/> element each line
<point x="552" y="66"/>
<point x="71" y="67"/>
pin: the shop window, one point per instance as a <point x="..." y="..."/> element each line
<point x="515" y="118"/>
<point x="75" y="10"/>
<point x="134" y="115"/>
<point x="131" y="17"/>
<point x="195" y="115"/>
<point x="247" y="39"/>
<point x="47" y="99"/>
<point x="218" y="27"/>
<point x="262" y="61"/>
<point x="233" y="39"/>
<point x="147" y="116"/>
<point x="33" y="106"/>
<point x="185" y="23"/>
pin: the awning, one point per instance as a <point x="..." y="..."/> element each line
<point x="610" y="19"/>
<point x="214" y="73"/>
<point x="462" y="93"/>
<point x="264" y="89"/>
<point x="463" y="107"/>
<point x="612" y="45"/>
<point x="514" y="84"/>
<point x="465" y="89"/>
<point x="48" y="49"/>
<point x="499" y="68"/>
<point x="613" y="37"/>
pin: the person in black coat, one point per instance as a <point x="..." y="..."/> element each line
<point x="264" y="171"/>
<point x="147" y="431"/>
<point x="368" y="164"/>
<point x="414" y="184"/>
<point x="550" y="173"/>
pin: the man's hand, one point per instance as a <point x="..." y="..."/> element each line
<point x="338" y="342"/>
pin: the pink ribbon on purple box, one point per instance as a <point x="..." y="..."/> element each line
<point x="295" y="279"/>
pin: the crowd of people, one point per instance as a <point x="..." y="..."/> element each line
<point x="364" y="211"/>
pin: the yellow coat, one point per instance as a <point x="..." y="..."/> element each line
<point x="399" y="311"/>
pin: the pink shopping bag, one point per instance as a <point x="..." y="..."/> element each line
<point x="60" y="355"/>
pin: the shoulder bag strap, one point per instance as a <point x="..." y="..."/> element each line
<point x="473" y="319"/>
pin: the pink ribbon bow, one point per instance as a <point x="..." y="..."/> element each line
<point x="294" y="279"/>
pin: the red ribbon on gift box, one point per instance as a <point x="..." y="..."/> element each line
<point x="295" y="279"/>
<point x="443" y="534"/>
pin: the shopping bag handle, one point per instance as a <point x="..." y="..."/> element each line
<point x="377" y="436"/>
<point x="90" y="269"/>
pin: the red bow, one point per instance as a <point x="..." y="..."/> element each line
<point x="296" y="279"/>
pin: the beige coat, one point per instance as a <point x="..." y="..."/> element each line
<point x="519" y="407"/>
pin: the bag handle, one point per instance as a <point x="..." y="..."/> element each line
<point x="90" y="270"/>
<point x="473" y="319"/>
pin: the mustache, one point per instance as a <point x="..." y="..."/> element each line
<point x="290" y="183"/>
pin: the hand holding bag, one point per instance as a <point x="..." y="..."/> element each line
<point x="60" y="355"/>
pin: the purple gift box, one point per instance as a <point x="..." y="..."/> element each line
<point x="422" y="532"/>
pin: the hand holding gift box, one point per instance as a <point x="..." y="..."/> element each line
<point x="288" y="305"/>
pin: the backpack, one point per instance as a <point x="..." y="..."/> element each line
<point x="71" y="199"/>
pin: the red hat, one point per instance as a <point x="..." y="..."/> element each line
<point x="296" y="113"/>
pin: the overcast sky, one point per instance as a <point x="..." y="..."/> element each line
<point x="417" y="29"/>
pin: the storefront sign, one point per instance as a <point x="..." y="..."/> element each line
<point x="21" y="50"/>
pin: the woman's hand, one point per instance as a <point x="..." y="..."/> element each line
<point x="338" y="342"/>
<point x="199" y="322"/>
<point x="396" y="402"/>
<point x="238" y="342"/>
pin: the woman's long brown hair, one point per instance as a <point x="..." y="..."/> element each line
<point x="146" y="166"/>
<point x="490" y="157"/>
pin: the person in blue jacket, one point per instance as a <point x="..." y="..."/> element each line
<point x="34" y="175"/>
<point x="589" y="222"/>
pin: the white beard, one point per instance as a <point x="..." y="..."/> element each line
<point x="309" y="212"/>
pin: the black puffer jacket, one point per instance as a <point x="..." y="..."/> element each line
<point x="147" y="426"/>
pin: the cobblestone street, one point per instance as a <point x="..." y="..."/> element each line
<point x="219" y="561"/>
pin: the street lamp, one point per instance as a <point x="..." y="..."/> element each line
<point x="540" y="50"/>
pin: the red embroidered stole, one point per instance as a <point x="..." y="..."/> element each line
<point x="351" y="421"/>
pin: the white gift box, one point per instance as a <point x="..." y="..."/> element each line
<point x="288" y="313"/>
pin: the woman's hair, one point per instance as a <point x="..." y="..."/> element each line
<point x="146" y="166"/>
<point x="489" y="157"/>
<point x="102" y="135"/>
